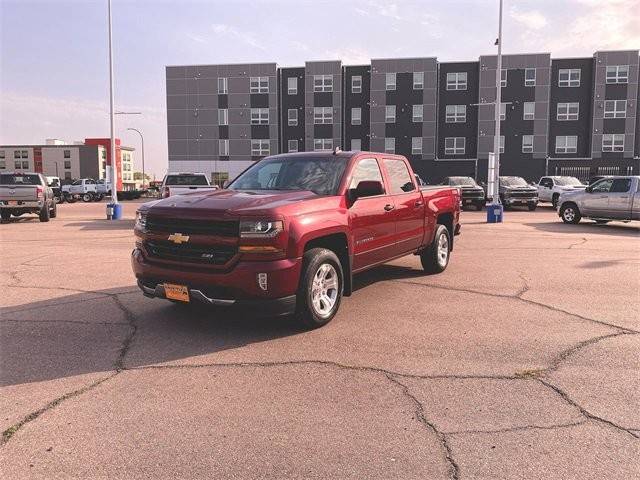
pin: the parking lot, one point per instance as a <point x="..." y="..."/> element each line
<point x="521" y="360"/>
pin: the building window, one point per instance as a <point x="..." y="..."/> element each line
<point x="503" y="77"/>
<point x="259" y="116"/>
<point x="416" y="145"/>
<point x="613" y="142"/>
<point x="16" y="154"/>
<point x="356" y="144"/>
<point x="527" y="144"/>
<point x="615" y="109"/>
<point x="67" y="153"/>
<point x="617" y="73"/>
<point x="454" y="145"/>
<point x="503" y="111"/>
<point x="456" y="114"/>
<point x="356" y="84"/>
<point x="418" y="80"/>
<point x="3" y="165"/>
<point x="1" y="153"/>
<point x="569" y="77"/>
<point x="390" y="114"/>
<point x="322" y="115"/>
<point x="67" y="175"/>
<point x="259" y="85"/>
<point x="323" y="144"/>
<point x="292" y="85"/>
<point x="292" y="117"/>
<point x="223" y="116"/>
<point x="501" y="144"/>
<point x="223" y="85"/>
<point x="529" y="110"/>
<point x="259" y="148"/>
<point x="567" y="144"/>
<point x="67" y="164"/>
<point x="390" y="82"/>
<point x="223" y="147"/>
<point x="323" y="83"/>
<point x="292" y="146"/>
<point x="219" y="178"/>
<point x="529" y="77"/>
<point x="389" y="145"/>
<point x="417" y="113"/>
<point x="25" y="165"/>
<point x="25" y="153"/>
<point x="356" y="116"/>
<point x="18" y="164"/>
<point x="567" y="111"/>
<point x="457" y="81"/>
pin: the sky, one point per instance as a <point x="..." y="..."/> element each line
<point x="54" y="65"/>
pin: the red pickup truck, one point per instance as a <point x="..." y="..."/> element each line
<point x="289" y="233"/>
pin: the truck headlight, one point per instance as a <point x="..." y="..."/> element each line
<point x="141" y="220"/>
<point x="260" y="228"/>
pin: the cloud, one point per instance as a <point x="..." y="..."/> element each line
<point x="531" y="19"/>
<point x="300" y="46"/>
<point x="231" y="32"/>
<point x="196" y="38"/>
<point x="349" y="55"/>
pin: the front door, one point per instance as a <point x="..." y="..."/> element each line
<point x="597" y="202"/>
<point x="372" y="219"/>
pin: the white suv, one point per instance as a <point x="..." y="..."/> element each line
<point x="550" y="188"/>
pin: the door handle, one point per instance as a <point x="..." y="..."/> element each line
<point x="388" y="207"/>
<point x="418" y="203"/>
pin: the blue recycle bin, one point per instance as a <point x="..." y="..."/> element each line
<point x="114" y="211"/>
<point x="495" y="213"/>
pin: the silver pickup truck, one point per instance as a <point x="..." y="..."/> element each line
<point x="612" y="198"/>
<point x="26" y="192"/>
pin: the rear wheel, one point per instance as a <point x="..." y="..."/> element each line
<point x="54" y="209"/>
<point x="435" y="257"/>
<point x="570" y="213"/>
<point x="44" y="213"/>
<point x="321" y="287"/>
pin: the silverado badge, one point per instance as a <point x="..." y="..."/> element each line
<point x="178" y="238"/>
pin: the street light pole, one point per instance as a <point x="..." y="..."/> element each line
<point x="497" y="108"/>
<point x="142" y="141"/>
<point x="114" y="168"/>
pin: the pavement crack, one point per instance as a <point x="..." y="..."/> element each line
<point x="517" y="429"/>
<point x="128" y="341"/>
<point x="582" y="241"/>
<point x="454" y="470"/>
<point x="78" y="322"/>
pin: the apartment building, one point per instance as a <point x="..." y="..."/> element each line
<point x="575" y="116"/>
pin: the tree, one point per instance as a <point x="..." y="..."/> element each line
<point x="138" y="176"/>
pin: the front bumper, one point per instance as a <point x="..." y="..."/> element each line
<point x="238" y="287"/>
<point x="519" y="200"/>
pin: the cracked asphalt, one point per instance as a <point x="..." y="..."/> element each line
<point x="521" y="361"/>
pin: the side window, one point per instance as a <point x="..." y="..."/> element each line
<point x="366" y="169"/>
<point x="399" y="177"/>
<point x="602" y="186"/>
<point x="620" y="185"/>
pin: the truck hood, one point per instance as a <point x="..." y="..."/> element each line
<point x="228" y="202"/>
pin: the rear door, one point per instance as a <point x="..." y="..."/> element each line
<point x="409" y="206"/>
<point x="620" y="199"/>
<point x="372" y="218"/>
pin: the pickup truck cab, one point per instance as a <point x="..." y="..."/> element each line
<point x="611" y="198"/>
<point x="550" y="188"/>
<point x="85" y="189"/>
<point x="290" y="232"/>
<point x="56" y="186"/>
<point x="26" y="192"/>
<point x="181" y="183"/>
<point x="515" y="191"/>
<point x="471" y="192"/>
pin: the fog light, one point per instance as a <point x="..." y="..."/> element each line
<point x="262" y="281"/>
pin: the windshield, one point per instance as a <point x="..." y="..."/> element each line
<point x="320" y="175"/>
<point x="567" y="181"/>
<point x="513" y="181"/>
<point x="186" y="180"/>
<point x="19" y="179"/>
<point x="462" y="181"/>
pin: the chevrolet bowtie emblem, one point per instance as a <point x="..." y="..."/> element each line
<point x="178" y="238"/>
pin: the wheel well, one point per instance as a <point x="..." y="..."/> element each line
<point x="446" y="219"/>
<point x="337" y="243"/>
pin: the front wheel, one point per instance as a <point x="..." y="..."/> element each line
<point x="5" y="215"/>
<point x="87" y="197"/>
<point x="321" y="287"/>
<point x="435" y="257"/>
<point x="479" y="206"/>
<point x="570" y="213"/>
<point x="532" y="206"/>
<point x="554" y="200"/>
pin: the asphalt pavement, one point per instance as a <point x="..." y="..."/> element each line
<point x="520" y="361"/>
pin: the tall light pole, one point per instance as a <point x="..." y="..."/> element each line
<point x="142" y="141"/>
<point x="498" y="107"/>
<point x="114" y="167"/>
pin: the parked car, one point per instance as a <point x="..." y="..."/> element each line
<point x="471" y="192"/>
<point x="26" y="192"/>
<point x="288" y="234"/>
<point x="84" y="189"/>
<point x="54" y="183"/>
<point x="515" y="191"/>
<point x="611" y="198"/>
<point x="595" y="178"/>
<point x="181" y="183"/>
<point x="550" y="188"/>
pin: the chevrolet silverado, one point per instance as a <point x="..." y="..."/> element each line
<point x="287" y="235"/>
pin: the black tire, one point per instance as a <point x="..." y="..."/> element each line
<point x="44" y="213"/>
<point x="433" y="258"/>
<point x="5" y="215"/>
<point x="54" y="210"/>
<point x="570" y="213"/>
<point x="87" y="197"/>
<point x="532" y="206"/>
<point x="554" y="200"/>
<point x="479" y="206"/>
<point x="310" y="314"/>
<point x="602" y="222"/>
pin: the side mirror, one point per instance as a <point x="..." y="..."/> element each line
<point x="225" y="184"/>
<point x="367" y="188"/>
<point x="589" y="189"/>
